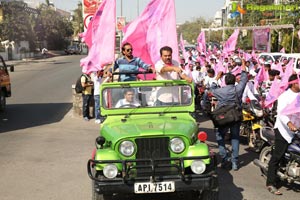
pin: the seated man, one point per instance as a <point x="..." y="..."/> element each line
<point x="129" y="99"/>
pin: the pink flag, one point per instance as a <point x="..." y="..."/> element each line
<point x="278" y="67"/>
<point x="236" y="70"/>
<point x="292" y="108"/>
<point x="260" y="77"/>
<point x="253" y="55"/>
<point x="231" y="42"/>
<point x="181" y="44"/>
<point x="273" y="94"/>
<point x="282" y="50"/>
<point x="201" y="42"/>
<point x="288" y="72"/>
<point x="102" y="50"/>
<point x="299" y="34"/>
<point x="153" y="29"/>
<point x="246" y="56"/>
<point x="219" y="68"/>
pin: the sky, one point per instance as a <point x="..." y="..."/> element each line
<point x="186" y="10"/>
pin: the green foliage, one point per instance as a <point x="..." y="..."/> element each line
<point x="21" y="25"/>
<point x="191" y="30"/>
<point x="77" y="21"/>
<point x="53" y="28"/>
<point x="16" y="25"/>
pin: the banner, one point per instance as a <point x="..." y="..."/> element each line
<point x="88" y="10"/>
<point x="261" y="40"/>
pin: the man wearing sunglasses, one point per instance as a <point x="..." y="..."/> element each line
<point x="128" y="63"/>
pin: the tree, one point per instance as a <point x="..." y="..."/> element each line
<point x="77" y="21"/>
<point x="16" y="25"/>
<point x="53" y="28"/>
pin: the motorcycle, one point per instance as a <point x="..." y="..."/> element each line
<point x="252" y="123"/>
<point x="289" y="168"/>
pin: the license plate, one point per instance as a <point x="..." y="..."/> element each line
<point x="157" y="187"/>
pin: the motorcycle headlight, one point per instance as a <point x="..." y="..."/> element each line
<point x="177" y="145"/>
<point x="110" y="171"/>
<point x="198" y="166"/>
<point x="259" y="113"/>
<point x="127" y="148"/>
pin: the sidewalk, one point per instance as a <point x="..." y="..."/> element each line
<point x="50" y="54"/>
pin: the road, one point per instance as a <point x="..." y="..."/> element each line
<point x="44" y="147"/>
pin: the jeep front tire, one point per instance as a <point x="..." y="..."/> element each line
<point x="2" y="101"/>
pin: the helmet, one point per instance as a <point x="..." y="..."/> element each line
<point x="237" y="60"/>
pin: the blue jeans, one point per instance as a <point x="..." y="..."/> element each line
<point x="235" y="141"/>
<point x="97" y="106"/>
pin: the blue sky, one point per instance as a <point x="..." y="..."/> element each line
<point x="186" y="10"/>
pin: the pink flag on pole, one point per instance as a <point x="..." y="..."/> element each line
<point x="181" y="44"/>
<point x="102" y="50"/>
<point x="288" y="72"/>
<point x="236" y="70"/>
<point x="201" y="42"/>
<point x="282" y="50"/>
<point x="246" y="56"/>
<point x="153" y="29"/>
<point x="299" y="34"/>
<point x="278" y="67"/>
<point x="219" y="68"/>
<point x="273" y="94"/>
<point x="232" y="41"/>
<point x="292" y="108"/>
<point x="260" y="77"/>
<point x="253" y="54"/>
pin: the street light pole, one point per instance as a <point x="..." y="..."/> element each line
<point x="122" y="8"/>
<point x="138" y="7"/>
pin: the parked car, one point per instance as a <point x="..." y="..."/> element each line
<point x="72" y="50"/>
<point x="146" y="148"/>
<point x="5" y="85"/>
<point x="296" y="57"/>
<point x="269" y="57"/>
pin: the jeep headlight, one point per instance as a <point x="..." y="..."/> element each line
<point x="110" y="171"/>
<point x="177" y="145"/>
<point x="127" y="148"/>
<point x="198" y="166"/>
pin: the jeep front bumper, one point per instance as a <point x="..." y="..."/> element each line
<point x="184" y="180"/>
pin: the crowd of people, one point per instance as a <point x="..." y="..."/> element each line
<point x="231" y="77"/>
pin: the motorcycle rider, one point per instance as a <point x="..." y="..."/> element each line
<point x="284" y="129"/>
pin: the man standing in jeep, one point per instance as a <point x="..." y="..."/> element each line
<point x="168" y="69"/>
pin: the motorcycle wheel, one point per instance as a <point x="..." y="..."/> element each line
<point x="265" y="157"/>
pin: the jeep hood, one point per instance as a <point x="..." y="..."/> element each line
<point x="118" y="128"/>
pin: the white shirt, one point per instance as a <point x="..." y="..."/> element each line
<point x="196" y="76"/>
<point x="208" y="81"/>
<point x="281" y="121"/>
<point x="97" y="83"/>
<point x="124" y="102"/>
<point x="165" y="75"/>
<point x="249" y="92"/>
<point x="166" y="94"/>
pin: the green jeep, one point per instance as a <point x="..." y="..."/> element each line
<point x="149" y="144"/>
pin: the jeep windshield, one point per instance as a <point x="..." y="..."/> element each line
<point x="148" y="96"/>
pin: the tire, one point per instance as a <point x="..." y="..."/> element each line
<point x="265" y="157"/>
<point x="2" y="101"/>
<point x="98" y="196"/>
<point x="210" y="194"/>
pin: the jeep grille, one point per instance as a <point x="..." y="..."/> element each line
<point x="152" y="148"/>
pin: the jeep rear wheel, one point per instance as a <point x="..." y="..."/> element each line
<point x="2" y="101"/>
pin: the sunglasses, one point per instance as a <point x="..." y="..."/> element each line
<point x="127" y="50"/>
